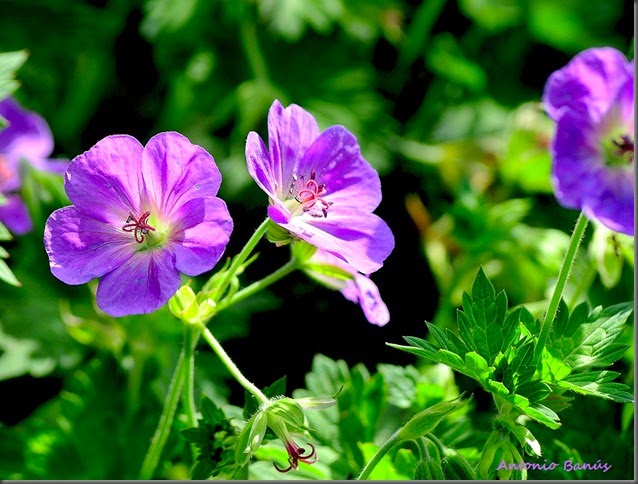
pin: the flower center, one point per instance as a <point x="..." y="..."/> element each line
<point x="309" y="194"/>
<point x="5" y="172"/>
<point x="625" y="147"/>
<point x="140" y="227"/>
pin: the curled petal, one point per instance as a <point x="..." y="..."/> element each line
<point x="366" y="293"/>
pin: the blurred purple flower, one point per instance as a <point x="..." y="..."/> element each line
<point x="356" y="287"/>
<point x="25" y="138"/>
<point x="140" y="216"/>
<point x="321" y="189"/>
<point x="592" y="101"/>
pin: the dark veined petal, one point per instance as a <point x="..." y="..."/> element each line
<point x="291" y="131"/>
<point x="15" y="215"/>
<point x="105" y="181"/>
<point x="589" y="81"/>
<point x="260" y="166"/>
<point x="27" y="135"/>
<point x="360" y="238"/>
<point x="81" y="248"/>
<point x="201" y="233"/>
<point x="176" y="171"/>
<point x="142" y="284"/>
<point x="576" y="157"/>
<point x="335" y="158"/>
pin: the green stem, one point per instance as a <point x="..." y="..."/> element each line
<point x="376" y="458"/>
<point x="250" y="43"/>
<point x="240" y="258"/>
<point x="191" y="336"/>
<point x="563" y="275"/>
<point x="235" y="372"/>
<point x="283" y="271"/>
<point x="166" y="420"/>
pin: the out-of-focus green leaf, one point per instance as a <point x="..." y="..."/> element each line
<point x="571" y="25"/>
<point x="10" y="62"/>
<point x="493" y="15"/>
<point x="447" y="60"/>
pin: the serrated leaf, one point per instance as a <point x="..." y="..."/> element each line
<point x="590" y="341"/>
<point x="482" y="321"/>
<point x="599" y="384"/>
<point x="535" y="391"/>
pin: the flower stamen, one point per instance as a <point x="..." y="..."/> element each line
<point x="139" y="227"/>
<point x="309" y="194"/>
<point x="625" y="146"/>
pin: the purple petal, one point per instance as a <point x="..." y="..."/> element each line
<point x="260" y="166"/>
<point x="366" y="293"/>
<point x="613" y="202"/>
<point x="81" y="248"/>
<point x="576" y="158"/>
<point x="142" y="284"/>
<point x="291" y="131"/>
<point x="589" y="81"/>
<point x="176" y="171"/>
<point x="27" y="135"/>
<point x="105" y="181"/>
<point x="15" y="215"/>
<point x="336" y="160"/>
<point x="202" y="231"/>
<point x="360" y="238"/>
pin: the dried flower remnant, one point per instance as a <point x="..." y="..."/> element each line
<point x="321" y="189"/>
<point x="591" y="100"/>
<point x="140" y="216"/>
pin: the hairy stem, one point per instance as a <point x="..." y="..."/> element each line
<point x="563" y="275"/>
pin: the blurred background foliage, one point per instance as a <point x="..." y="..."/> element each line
<point x="443" y="96"/>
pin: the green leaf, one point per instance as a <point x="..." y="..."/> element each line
<point x="7" y="276"/>
<point x="10" y="62"/>
<point x="482" y="323"/>
<point x="590" y="340"/>
<point x="599" y="384"/>
<point x="543" y="414"/>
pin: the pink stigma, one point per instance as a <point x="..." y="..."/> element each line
<point x="309" y="194"/>
<point x="139" y="227"/>
<point x="296" y="454"/>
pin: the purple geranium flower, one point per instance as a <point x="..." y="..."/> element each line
<point x="25" y="138"/>
<point x="592" y="101"/>
<point x="140" y="216"/>
<point x="332" y="272"/>
<point x="321" y="189"/>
